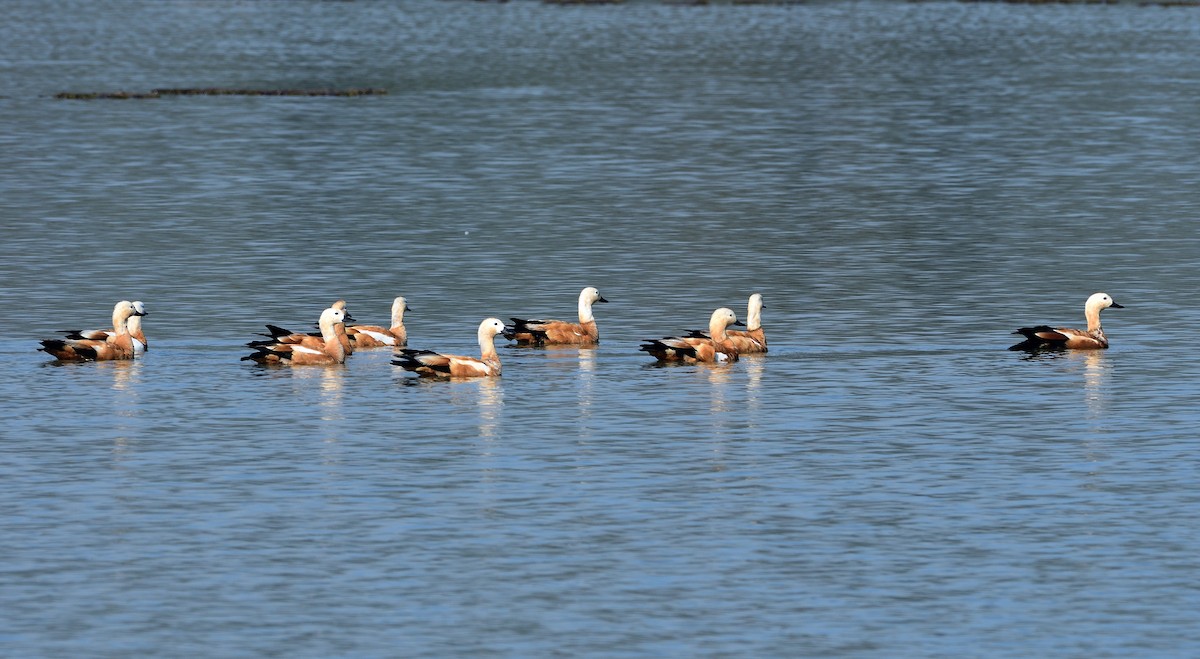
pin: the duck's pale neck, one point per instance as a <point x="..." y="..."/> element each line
<point x="754" y="317"/>
<point x="487" y="345"/>
<point x="331" y="332"/>
<point x="585" y="310"/>
<point x="398" y="313"/>
<point x="134" y="324"/>
<point x="716" y="329"/>
<point x="1092" y="313"/>
<point x="121" y="321"/>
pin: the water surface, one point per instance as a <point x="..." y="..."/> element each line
<point x="904" y="183"/>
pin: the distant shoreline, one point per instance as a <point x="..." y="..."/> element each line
<point x="219" y="91"/>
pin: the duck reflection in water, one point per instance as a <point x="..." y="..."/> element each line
<point x="753" y="365"/>
<point x="1096" y="371"/>
<point x="586" y="378"/>
<point x="126" y="374"/>
<point x="491" y="405"/>
<point x="1095" y="366"/>
<point x="332" y="382"/>
<point x="126" y="379"/>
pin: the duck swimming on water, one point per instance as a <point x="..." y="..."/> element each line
<point x="134" y="324"/>
<point x="106" y="346"/>
<point x="302" y="349"/>
<point x="560" y="332"/>
<point x="375" y="336"/>
<point x="1044" y="336"/>
<point x="750" y="340"/>
<point x="427" y="363"/>
<point x="716" y="347"/>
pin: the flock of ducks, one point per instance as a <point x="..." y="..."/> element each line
<point x="338" y="338"/>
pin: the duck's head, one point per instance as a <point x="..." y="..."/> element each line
<point x="724" y="317"/>
<point x="1102" y="301"/>
<point x="490" y="327"/>
<point x="592" y="294"/>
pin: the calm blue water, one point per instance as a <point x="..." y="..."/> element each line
<point x="906" y="183"/>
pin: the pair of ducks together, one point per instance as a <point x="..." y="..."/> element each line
<point x="125" y="340"/>
<point x="336" y="340"/>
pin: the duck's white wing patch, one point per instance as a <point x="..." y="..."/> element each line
<point x="474" y="365"/>
<point x="380" y="336"/>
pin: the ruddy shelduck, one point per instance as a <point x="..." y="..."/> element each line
<point x="140" y="344"/>
<point x="752" y="339"/>
<point x="427" y="363"/>
<point x="118" y="345"/>
<point x="1044" y="336"/>
<point x="375" y="336"/>
<point x="303" y="353"/>
<point x="717" y="347"/>
<point x="560" y="332"/>
<point x="315" y="340"/>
